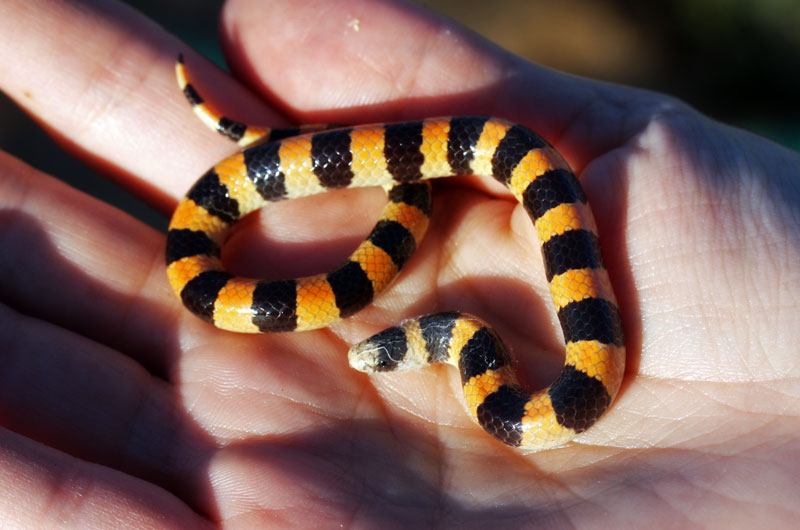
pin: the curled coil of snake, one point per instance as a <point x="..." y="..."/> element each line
<point x="290" y="163"/>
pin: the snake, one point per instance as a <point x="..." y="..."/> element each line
<point x="282" y="164"/>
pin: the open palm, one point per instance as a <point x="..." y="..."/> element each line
<point x="120" y="408"/>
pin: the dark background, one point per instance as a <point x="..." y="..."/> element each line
<point x="735" y="60"/>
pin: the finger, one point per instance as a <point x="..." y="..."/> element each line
<point x="44" y="488"/>
<point x="94" y="404"/>
<point x="137" y="125"/>
<point x="100" y="77"/>
<point x="78" y="263"/>
<point x="387" y="60"/>
<point x="319" y="44"/>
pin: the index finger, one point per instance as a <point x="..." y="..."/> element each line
<point x="99" y="76"/>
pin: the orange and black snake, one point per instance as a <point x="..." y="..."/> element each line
<point x="285" y="164"/>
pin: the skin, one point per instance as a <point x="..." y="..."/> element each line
<point x="120" y="408"/>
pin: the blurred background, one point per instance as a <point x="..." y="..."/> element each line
<point x="735" y="60"/>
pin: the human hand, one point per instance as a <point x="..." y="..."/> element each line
<point x="123" y="409"/>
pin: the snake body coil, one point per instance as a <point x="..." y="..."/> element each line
<point x="281" y="164"/>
